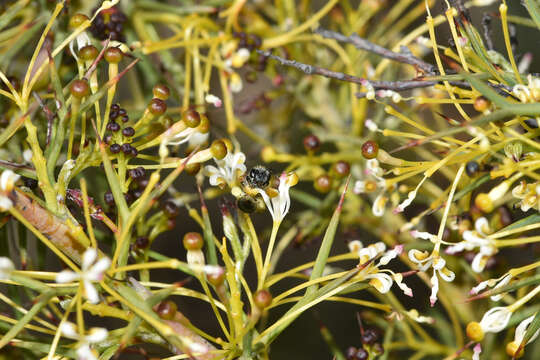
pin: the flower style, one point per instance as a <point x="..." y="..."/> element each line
<point x="227" y="171"/>
<point x="380" y="279"/>
<point x="279" y="205"/>
<point x="372" y="181"/>
<point x="91" y="271"/>
<point x="95" y="336"/>
<point x="529" y="195"/>
<point x="6" y="267"/>
<point x="474" y="239"/>
<point x="214" y="100"/>
<point x="7" y="182"/>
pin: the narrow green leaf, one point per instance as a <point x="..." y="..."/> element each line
<point x="41" y="302"/>
<point x="534" y="10"/>
<point x="326" y="245"/>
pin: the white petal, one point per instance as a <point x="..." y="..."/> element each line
<point x="521" y="329"/>
<point x="434" y="288"/>
<point x="359" y="187"/>
<point x="398" y="278"/>
<point x="438" y="263"/>
<point x="391" y="254"/>
<point x="447" y="275"/>
<point x="475" y="290"/>
<point x="5" y="203"/>
<point x="6" y="267"/>
<point x="69" y="330"/>
<point x="89" y="256"/>
<point x="66" y="276"/>
<point x="381" y="281"/>
<point x="481" y="225"/>
<point x="479" y="263"/>
<point x="96" y="335"/>
<point x="85" y="353"/>
<point x="379" y="205"/>
<point x="91" y="292"/>
<point x="496" y="319"/>
<point x="96" y="272"/>
<point x="7" y="180"/>
<point x="504" y="281"/>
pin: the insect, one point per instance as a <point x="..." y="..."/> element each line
<point x="257" y="178"/>
<point x="52" y="227"/>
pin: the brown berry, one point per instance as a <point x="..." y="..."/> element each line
<point x="370" y="149"/>
<point x="79" y="88"/>
<point x="161" y="91"/>
<point x="218" y="149"/>
<point x="217" y="277"/>
<point x="157" y="106"/>
<point x="193" y="241"/>
<point x="113" y="55"/>
<point x="77" y="20"/>
<point x="341" y="169"/>
<point x="312" y="143"/>
<point x="481" y="104"/>
<point x="88" y="53"/>
<point x="167" y="309"/>
<point x="191" y="118"/>
<point x="323" y="183"/>
<point x="262" y="298"/>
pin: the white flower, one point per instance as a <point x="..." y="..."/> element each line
<point x="279" y="205"/>
<point x="476" y="239"/>
<point x="424" y="261"/>
<point x="529" y="92"/>
<point x="381" y="279"/>
<point x="521" y="329"/>
<point x="7" y="182"/>
<point x="227" y="171"/>
<point x="529" y="195"/>
<point x="495" y="283"/>
<point x="372" y="181"/>
<point x="95" y="336"/>
<point x="214" y="100"/>
<point x="496" y="319"/>
<point x="6" y="268"/>
<point x="91" y="271"/>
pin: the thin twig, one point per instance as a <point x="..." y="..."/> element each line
<point x="363" y="44"/>
<point x="48" y="113"/>
<point x="378" y="85"/>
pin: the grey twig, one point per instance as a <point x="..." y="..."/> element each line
<point x="363" y="44"/>
<point x="377" y="85"/>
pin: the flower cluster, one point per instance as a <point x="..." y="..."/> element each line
<point x="380" y="279"/>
